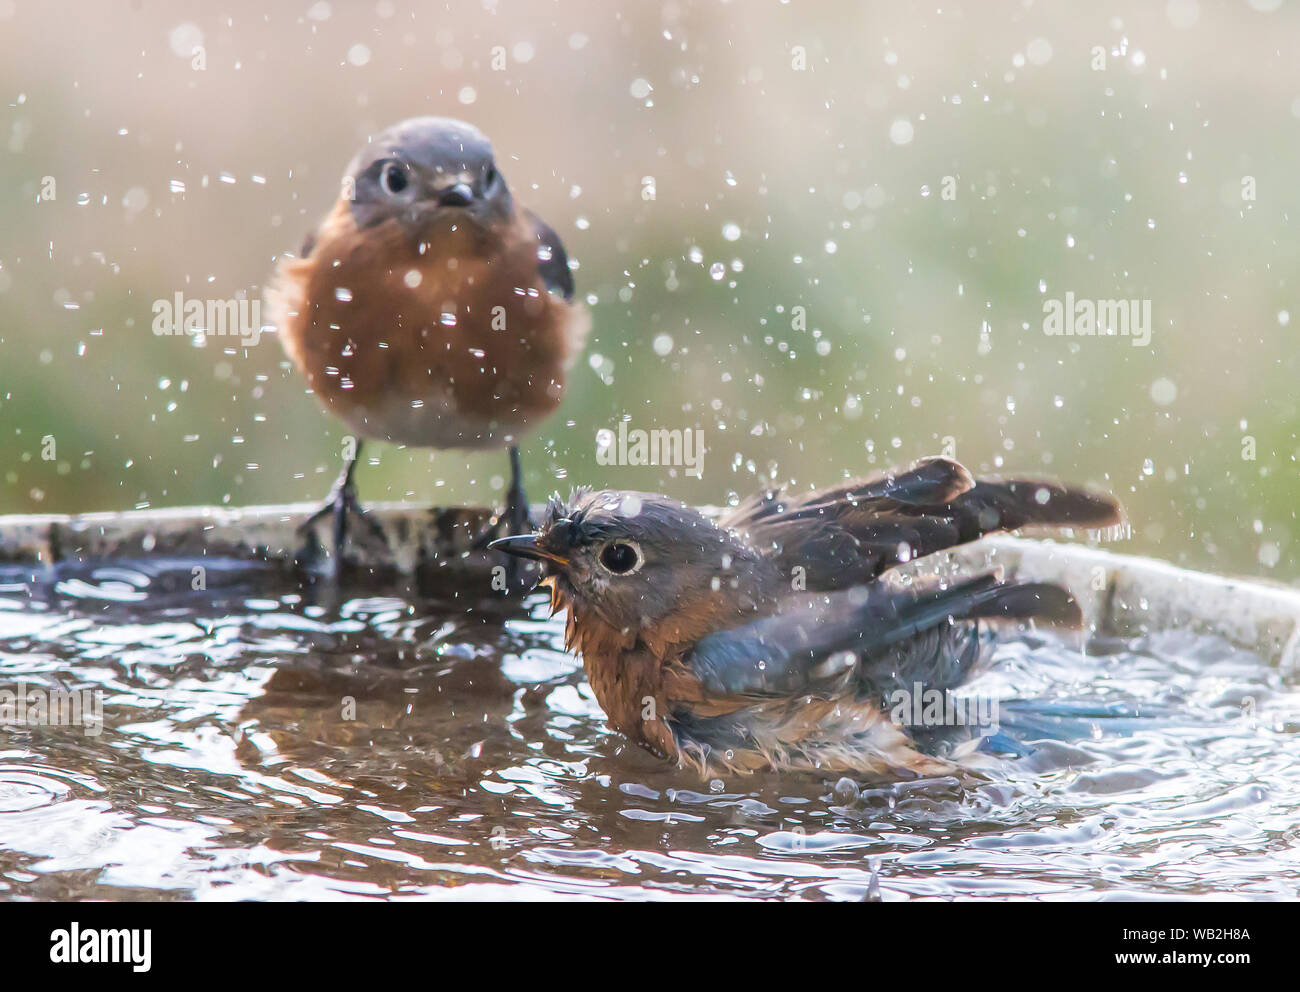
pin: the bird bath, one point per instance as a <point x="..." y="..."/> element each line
<point x="265" y="733"/>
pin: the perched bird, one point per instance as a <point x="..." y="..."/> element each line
<point x="430" y="309"/>
<point x="771" y="638"/>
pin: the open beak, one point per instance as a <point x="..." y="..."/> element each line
<point x="526" y="546"/>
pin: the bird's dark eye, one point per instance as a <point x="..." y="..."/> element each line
<point x="491" y="178"/>
<point x="620" y="557"/>
<point x="394" y="178"/>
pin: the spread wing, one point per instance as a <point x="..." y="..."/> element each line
<point x="851" y="533"/>
<point x="552" y="260"/>
<point x="876" y="635"/>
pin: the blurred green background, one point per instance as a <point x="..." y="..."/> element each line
<point x="798" y="152"/>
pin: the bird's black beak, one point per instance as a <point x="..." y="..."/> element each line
<point x="526" y="546"/>
<point x="459" y="195"/>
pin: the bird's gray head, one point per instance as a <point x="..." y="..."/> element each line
<point x="424" y="170"/>
<point x="633" y="559"/>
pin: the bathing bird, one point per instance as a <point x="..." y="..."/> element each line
<point x="775" y="636"/>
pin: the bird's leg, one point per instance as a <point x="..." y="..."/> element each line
<point x="516" y="513"/>
<point x="518" y="520"/>
<point x="516" y="517"/>
<point x="341" y="501"/>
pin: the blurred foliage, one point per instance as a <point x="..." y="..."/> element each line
<point x="924" y="314"/>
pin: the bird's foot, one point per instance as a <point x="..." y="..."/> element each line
<point x="341" y="505"/>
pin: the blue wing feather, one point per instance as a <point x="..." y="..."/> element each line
<point x="784" y="653"/>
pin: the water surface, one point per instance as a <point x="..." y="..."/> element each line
<point x="263" y="742"/>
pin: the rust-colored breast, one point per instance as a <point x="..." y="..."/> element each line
<point x="627" y="680"/>
<point x="458" y="346"/>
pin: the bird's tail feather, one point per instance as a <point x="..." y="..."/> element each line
<point x="1022" y="723"/>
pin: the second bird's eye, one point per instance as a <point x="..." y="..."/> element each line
<point x="620" y="557"/>
<point x="393" y="178"/>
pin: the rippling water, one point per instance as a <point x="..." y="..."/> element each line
<point x="264" y="743"/>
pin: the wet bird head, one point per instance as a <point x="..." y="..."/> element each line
<point x="637" y="560"/>
<point x="427" y="172"/>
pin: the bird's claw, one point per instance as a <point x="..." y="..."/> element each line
<point x="341" y="503"/>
